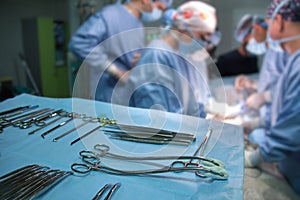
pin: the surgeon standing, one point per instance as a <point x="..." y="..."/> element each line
<point x="239" y="61"/>
<point x="281" y="142"/>
<point x="259" y="92"/>
<point x="105" y="65"/>
<point x="166" y="78"/>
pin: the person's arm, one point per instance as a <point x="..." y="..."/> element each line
<point x="283" y="137"/>
<point x="257" y="100"/>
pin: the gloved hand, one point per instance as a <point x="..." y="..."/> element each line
<point x="119" y="74"/>
<point x="257" y="100"/>
<point x="244" y="83"/>
<point x="252" y="158"/>
<point x="250" y="125"/>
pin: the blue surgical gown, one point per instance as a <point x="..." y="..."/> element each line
<point x="281" y="142"/>
<point x="165" y="79"/>
<point x="272" y="68"/>
<point x="124" y="34"/>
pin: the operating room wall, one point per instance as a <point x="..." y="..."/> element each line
<point x="11" y="14"/>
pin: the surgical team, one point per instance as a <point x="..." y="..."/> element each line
<point x="171" y="72"/>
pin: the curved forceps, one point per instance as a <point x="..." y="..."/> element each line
<point x="210" y="167"/>
<point x="86" y="168"/>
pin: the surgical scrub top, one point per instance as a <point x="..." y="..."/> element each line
<point x="272" y="67"/>
<point x="281" y="143"/>
<point x="233" y="63"/>
<point x="165" y="80"/>
<point x="120" y="32"/>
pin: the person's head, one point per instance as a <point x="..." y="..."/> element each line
<point x="283" y="18"/>
<point x="259" y="29"/>
<point x="257" y="43"/>
<point x="243" y="29"/>
<point x="194" y="19"/>
<point x="149" y="10"/>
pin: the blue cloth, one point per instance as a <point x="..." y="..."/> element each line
<point x="164" y="78"/>
<point x="18" y="149"/>
<point x="96" y="30"/>
<point x="282" y="141"/>
<point x="272" y="67"/>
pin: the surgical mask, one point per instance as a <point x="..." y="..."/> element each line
<point x="192" y="47"/>
<point x="148" y="16"/>
<point x="276" y="44"/>
<point x="189" y="48"/>
<point x="256" y="48"/>
<point x="151" y="16"/>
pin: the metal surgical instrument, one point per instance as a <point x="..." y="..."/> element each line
<point x="21" y="122"/>
<point x="104" y="121"/>
<point x="29" y="181"/>
<point x="202" y="148"/>
<point x="13" y="110"/>
<point x="211" y="168"/>
<point x="101" y="191"/>
<point x="86" y="121"/>
<point x="147" y="135"/>
<point x="40" y="121"/>
<point x="18" y="112"/>
<point x="71" y="115"/>
<point x="44" y="126"/>
<point x="110" y="193"/>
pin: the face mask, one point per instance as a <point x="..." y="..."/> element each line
<point x="151" y="16"/>
<point x="276" y="44"/>
<point x="256" y="48"/>
<point x="192" y="47"/>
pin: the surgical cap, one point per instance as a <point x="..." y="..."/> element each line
<point x="244" y="27"/>
<point x="196" y="16"/>
<point x="290" y="11"/>
<point x="167" y="2"/>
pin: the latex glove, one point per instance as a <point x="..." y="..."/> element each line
<point x="252" y="158"/>
<point x="250" y="125"/>
<point x="244" y="83"/>
<point x="119" y="74"/>
<point x="257" y="100"/>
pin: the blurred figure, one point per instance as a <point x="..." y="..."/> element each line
<point x="166" y="76"/>
<point x="213" y="43"/>
<point x="109" y="21"/>
<point x="239" y="61"/>
<point x="281" y="142"/>
<point x="259" y="92"/>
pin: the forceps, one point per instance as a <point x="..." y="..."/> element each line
<point x="212" y="168"/>
<point x="104" y="121"/>
<point x="202" y="148"/>
<point x="86" y="121"/>
<point x="71" y="115"/>
<point x="18" y="111"/>
<point x="110" y="193"/>
<point x="85" y="168"/>
<point x="60" y="115"/>
<point x="13" y="110"/>
<point x="21" y="123"/>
